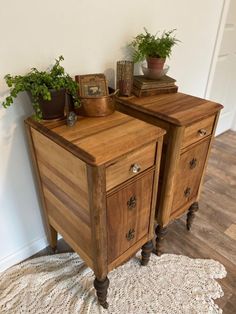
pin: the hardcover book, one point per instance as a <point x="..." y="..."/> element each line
<point x="154" y="91"/>
<point x="144" y="83"/>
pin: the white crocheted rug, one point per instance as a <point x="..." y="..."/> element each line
<point x="63" y="284"/>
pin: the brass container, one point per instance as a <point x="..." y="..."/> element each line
<point x="97" y="106"/>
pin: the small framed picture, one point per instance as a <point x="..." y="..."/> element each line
<point x="92" y="85"/>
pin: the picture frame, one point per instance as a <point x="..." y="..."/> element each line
<point x="92" y="85"/>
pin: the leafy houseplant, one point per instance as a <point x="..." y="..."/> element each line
<point x="148" y="46"/>
<point x="43" y="87"/>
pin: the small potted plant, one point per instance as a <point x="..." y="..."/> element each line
<point x="153" y="48"/>
<point x="48" y="90"/>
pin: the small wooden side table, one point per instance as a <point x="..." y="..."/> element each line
<point x="98" y="184"/>
<point x="190" y="123"/>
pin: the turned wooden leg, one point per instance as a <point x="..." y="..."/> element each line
<point x="52" y="240"/>
<point x="191" y="214"/>
<point x="101" y="289"/>
<point x="146" y="252"/>
<point x="160" y="234"/>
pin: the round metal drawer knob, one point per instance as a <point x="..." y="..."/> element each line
<point x="135" y="168"/>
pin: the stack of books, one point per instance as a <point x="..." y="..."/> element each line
<point x="147" y="87"/>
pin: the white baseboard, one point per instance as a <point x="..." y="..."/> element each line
<point x="23" y="253"/>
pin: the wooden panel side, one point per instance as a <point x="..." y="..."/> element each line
<point x="170" y="163"/>
<point x="65" y="189"/>
<point x="68" y="224"/>
<point x="97" y="203"/>
<point x="155" y="186"/>
<point x="121" y="170"/>
<point x="51" y="234"/>
<point x="72" y="242"/>
<point x="66" y="168"/>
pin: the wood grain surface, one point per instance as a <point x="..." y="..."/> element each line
<point x="65" y="190"/>
<point x="121" y="170"/>
<point x="218" y="199"/>
<point x="177" y="108"/>
<point x="100" y="140"/>
<point x="97" y="206"/>
<point x="188" y="121"/>
<point x="189" y="174"/>
<point x="98" y="188"/>
<point x="197" y="131"/>
<point x="209" y="237"/>
<point x="124" y="219"/>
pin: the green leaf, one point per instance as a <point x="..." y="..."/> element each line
<point x="39" y="84"/>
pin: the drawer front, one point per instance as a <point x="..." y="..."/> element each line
<point x="130" y="165"/>
<point x="128" y="215"/>
<point x="198" y="131"/>
<point x="189" y="174"/>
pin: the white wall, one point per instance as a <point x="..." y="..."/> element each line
<point x="92" y="36"/>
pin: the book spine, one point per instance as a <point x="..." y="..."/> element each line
<point x="154" y="86"/>
<point x="142" y="93"/>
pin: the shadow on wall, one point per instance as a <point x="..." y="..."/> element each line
<point x="110" y="77"/>
<point x="19" y="201"/>
<point x="111" y="73"/>
<point x="127" y="52"/>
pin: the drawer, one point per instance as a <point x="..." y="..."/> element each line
<point x="130" y="165"/>
<point x="128" y="215"/>
<point x="189" y="174"/>
<point x="198" y="131"/>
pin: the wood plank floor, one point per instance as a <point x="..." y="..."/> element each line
<point x="213" y="234"/>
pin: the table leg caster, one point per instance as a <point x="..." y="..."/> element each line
<point x="160" y="234"/>
<point x="146" y="253"/>
<point x="101" y="289"/>
<point x="191" y="214"/>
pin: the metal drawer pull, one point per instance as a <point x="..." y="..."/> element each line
<point x="187" y="192"/>
<point x="202" y="132"/>
<point x="132" y="202"/>
<point x="193" y="163"/>
<point x="130" y="235"/>
<point x="135" y="168"/>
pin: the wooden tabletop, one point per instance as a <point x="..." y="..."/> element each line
<point x="99" y="140"/>
<point x="177" y="108"/>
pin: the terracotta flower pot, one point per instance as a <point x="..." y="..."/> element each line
<point x="155" y="63"/>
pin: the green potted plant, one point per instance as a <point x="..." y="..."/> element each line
<point x="49" y="90"/>
<point x="153" y="48"/>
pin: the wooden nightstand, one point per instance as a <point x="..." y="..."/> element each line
<point x="98" y="183"/>
<point x="190" y="123"/>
